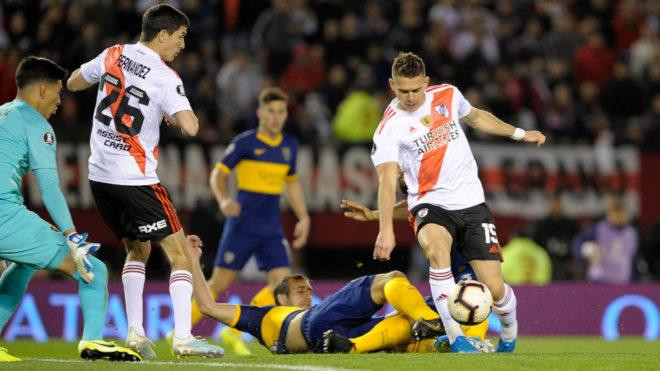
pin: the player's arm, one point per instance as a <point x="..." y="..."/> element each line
<point x="297" y="201"/>
<point x="77" y="82"/>
<point x="487" y="122"/>
<point x="357" y="211"/>
<point x="53" y="199"/>
<point x="387" y="182"/>
<point x="225" y="313"/>
<point x="218" y="183"/>
<point x="186" y="121"/>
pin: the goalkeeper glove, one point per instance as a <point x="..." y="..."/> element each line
<point x="80" y="250"/>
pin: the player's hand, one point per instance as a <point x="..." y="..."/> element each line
<point x="194" y="244"/>
<point x="384" y="245"/>
<point x="169" y="121"/>
<point x="301" y="233"/>
<point x="80" y="250"/>
<point x="357" y="211"/>
<point x="230" y="208"/>
<point x="534" y="136"/>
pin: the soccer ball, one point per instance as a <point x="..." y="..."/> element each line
<point x="470" y="302"/>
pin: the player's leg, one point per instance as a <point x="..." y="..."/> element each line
<point x="124" y="209"/>
<point x="273" y="256"/>
<point x="436" y="242"/>
<point x="181" y="290"/>
<point x="504" y="301"/>
<point x="93" y="303"/>
<point x="387" y="333"/>
<point x="133" y="277"/>
<point x="482" y="249"/>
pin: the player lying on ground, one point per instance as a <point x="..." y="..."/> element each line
<point x="295" y="326"/>
<point x="28" y="144"/>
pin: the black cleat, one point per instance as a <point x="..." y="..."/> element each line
<point x="335" y="343"/>
<point x="108" y="350"/>
<point x="427" y="329"/>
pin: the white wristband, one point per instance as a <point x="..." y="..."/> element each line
<point x="518" y="134"/>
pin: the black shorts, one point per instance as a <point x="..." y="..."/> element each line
<point x="137" y="212"/>
<point x="471" y="229"/>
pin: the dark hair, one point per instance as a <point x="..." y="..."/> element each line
<point x="162" y="17"/>
<point x="282" y="287"/>
<point x="408" y="65"/>
<point x="33" y="69"/>
<point x="271" y="94"/>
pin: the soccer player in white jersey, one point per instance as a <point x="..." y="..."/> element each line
<point x="420" y="132"/>
<point x="136" y="90"/>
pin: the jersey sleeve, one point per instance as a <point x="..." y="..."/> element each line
<point x="385" y="147"/>
<point x="94" y="69"/>
<point x="464" y="107"/>
<point x="293" y="171"/>
<point x="233" y="154"/>
<point x="42" y="148"/>
<point x="174" y="97"/>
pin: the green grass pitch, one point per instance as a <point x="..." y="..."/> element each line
<point x="544" y="353"/>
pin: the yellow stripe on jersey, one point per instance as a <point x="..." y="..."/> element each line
<point x="237" y="316"/>
<point x="223" y="167"/>
<point x="272" y="323"/>
<point x="271" y="142"/>
<point x="261" y="177"/>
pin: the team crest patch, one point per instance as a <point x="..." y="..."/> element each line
<point x="426" y="120"/>
<point x="422" y="213"/>
<point x="49" y="138"/>
<point x="286" y="153"/>
<point x="181" y="90"/>
<point x="259" y="151"/>
<point x="442" y="110"/>
<point x="229" y="257"/>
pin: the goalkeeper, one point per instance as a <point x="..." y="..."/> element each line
<point x="28" y="144"/>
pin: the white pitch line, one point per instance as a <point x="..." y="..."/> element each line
<point x="209" y="364"/>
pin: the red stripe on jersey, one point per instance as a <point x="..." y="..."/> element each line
<point x="389" y="112"/>
<point x="135" y="147"/>
<point x="429" y="170"/>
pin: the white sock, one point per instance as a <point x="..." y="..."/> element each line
<point x="442" y="282"/>
<point x="505" y="309"/>
<point x="133" y="279"/>
<point x="181" y="290"/>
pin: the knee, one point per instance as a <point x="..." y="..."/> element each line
<point x="496" y="287"/>
<point x="437" y="255"/>
<point x="394" y="274"/>
<point x="100" y="271"/>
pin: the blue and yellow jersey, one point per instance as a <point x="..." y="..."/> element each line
<point x="268" y="324"/>
<point x="263" y="167"/>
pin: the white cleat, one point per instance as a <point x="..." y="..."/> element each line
<point x="195" y="346"/>
<point x="140" y="344"/>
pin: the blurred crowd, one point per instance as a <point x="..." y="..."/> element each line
<point x="579" y="70"/>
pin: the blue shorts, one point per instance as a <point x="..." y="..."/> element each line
<point x="27" y="239"/>
<point x="236" y="247"/>
<point x="349" y="312"/>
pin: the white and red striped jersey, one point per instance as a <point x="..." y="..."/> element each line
<point x="431" y="148"/>
<point x="135" y="89"/>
